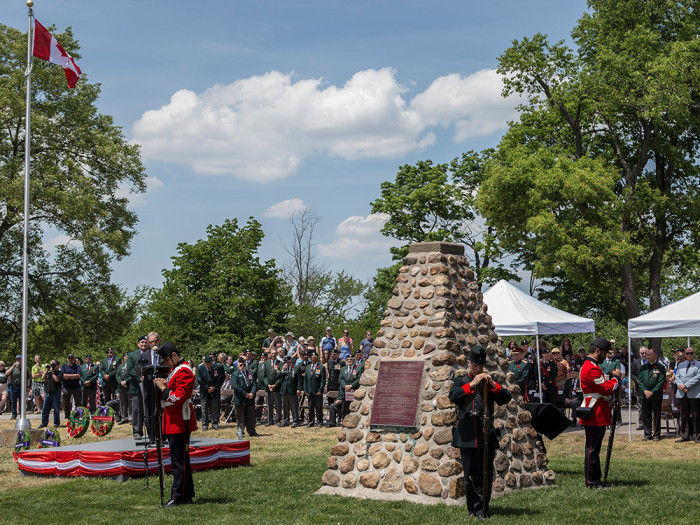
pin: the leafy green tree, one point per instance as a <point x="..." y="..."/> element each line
<point x="377" y="296"/>
<point x="79" y="159"/>
<point x="219" y="295"/>
<point x="435" y="202"/>
<point x="597" y="184"/>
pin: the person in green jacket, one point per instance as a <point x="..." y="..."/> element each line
<point x="349" y="380"/>
<point x="123" y="391"/>
<point x="652" y="376"/>
<point x="108" y="369"/>
<point x="610" y="363"/>
<point x="272" y="380"/>
<point x="89" y="372"/>
<point x="467" y="394"/>
<point x="244" y="398"/>
<point x="521" y="370"/>
<point x="288" y="391"/>
<point x="315" y="380"/>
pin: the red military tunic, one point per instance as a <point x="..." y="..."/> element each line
<point x="178" y="412"/>
<point x="596" y="393"/>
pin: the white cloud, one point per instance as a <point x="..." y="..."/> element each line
<point x="261" y="128"/>
<point x="359" y="238"/>
<point x="61" y="240"/>
<point x="284" y="209"/>
<point x="138" y="200"/>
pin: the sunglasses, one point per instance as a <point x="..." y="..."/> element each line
<point x="690" y="353"/>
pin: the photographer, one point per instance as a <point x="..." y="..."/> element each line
<point x="52" y="379"/>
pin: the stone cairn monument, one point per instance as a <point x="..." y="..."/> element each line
<point x="395" y="440"/>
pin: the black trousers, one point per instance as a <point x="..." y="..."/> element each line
<point x="245" y="418"/>
<point x="591" y="465"/>
<point x="690" y="406"/>
<point x="77" y="397"/>
<point x="651" y="417"/>
<point x="473" y="465"/>
<point x="109" y="391"/>
<point x="89" y="398"/>
<point x="274" y="407"/>
<point x="211" y="408"/>
<point x="338" y="410"/>
<point x="290" y="408"/>
<point x="183" y="487"/>
<point x="316" y="408"/>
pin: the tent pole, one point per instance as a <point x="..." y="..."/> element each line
<point x="539" y="367"/>
<point x="629" y="384"/>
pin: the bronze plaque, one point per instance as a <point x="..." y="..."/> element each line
<point x="397" y="395"/>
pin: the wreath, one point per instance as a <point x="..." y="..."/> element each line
<point x="21" y="443"/>
<point x="102" y="421"/>
<point x="50" y="438"/>
<point x="77" y="423"/>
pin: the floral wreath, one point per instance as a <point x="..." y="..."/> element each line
<point x="102" y="421"/>
<point x="77" y="423"/>
<point x="21" y="443"/>
<point x="50" y="438"/>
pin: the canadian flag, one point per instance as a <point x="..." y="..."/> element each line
<point x="46" y="47"/>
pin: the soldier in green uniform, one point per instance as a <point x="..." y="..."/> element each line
<point x="300" y="368"/>
<point x="467" y="394"/>
<point x="89" y="372"/>
<point x="521" y="370"/>
<point x="259" y="378"/>
<point x="122" y="392"/>
<point x="272" y="381"/>
<point x="610" y="363"/>
<point x="108" y="369"/>
<point x="652" y="376"/>
<point x="315" y="380"/>
<point x="349" y="381"/>
<point x="244" y="399"/>
<point x="288" y="391"/>
<point x="208" y="376"/>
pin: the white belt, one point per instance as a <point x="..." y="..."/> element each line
<point x="596" y="395"/>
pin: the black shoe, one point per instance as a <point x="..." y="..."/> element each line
<point x="294" y="425"/>
<point x="171" y="503"/>
<point x="268" y="424"/>
<point x="640" y="427"/>
<point x="205" y="428"/>
<point x="187" y="501"/>
<point x="13" y="417"/>
<point x="647" y="438"/>
<point x="138" y="436"/>
<point x="42" y="426"/>
<point x="681" y="440"/>
<point x="215" y="427"/>
<point x="310" y="425"/>
<point x="122" y="422"/>
<point x="254" y="435"/>
<point x="657" y="438"/>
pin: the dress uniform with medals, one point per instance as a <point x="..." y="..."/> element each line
<point x="272" y="380"/>
<point x="652" y="377"/>
<point x="243" y="386"/>
<point x="315" y="381"/>
<point x="521" y="370"/>
<point x="349" y="375"/>
<point x="288" y="391"/>
<point x="468" y="436"/>
<point x="596" y="396"/>
<point x="178" y="422"/>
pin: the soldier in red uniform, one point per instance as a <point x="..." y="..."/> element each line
<point x="178" y="421"/>
<point x="596" y="396"/>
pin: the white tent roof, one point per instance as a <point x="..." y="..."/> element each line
<point x="678" y="319"/>
<point x="516" y="313"/>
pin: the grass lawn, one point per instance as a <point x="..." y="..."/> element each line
<point x="652" y="483"/>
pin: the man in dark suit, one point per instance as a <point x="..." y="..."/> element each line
<point x="573" y="395"/>
<point x="272" y="380"/>
<point x="89" y="372"/>
<point x="244" y="398"/>
<point x="108" y="368"/>
<point x="207" y="376"/>
<point x="315" y="379"/>
<point x="140" y="390"/>
<point x="634" y="375"/>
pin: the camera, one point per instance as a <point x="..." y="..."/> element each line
<point x="48" y="367"/>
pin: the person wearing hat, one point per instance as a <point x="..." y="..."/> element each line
<point x="71" y="384"/>
<point x="259" y="377"/>
<point x="290" y="344"/>
<point x="244" y="387"/>
<point x="89" y="373"/>
<point x="521" y="370"/>
<point x="300" y="370"/>
<point x="348" y="381"/>
<point x="652" y="376"/>
<point x="315" y="381"/>
<point x="596" y="395"/>
<point x="288" y="391"/>
<point x="108" y="369"/>
<point x="333" y="367"/>
<point x="178" y="421"/>
<point x="122" y="391"/>
<point x="467" y="393"/>
<point x="52" y="378"/>
<point x="140" y="391"/>
<point x="208" y="378"/>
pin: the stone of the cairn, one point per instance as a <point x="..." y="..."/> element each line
<point x="435" y="315"/>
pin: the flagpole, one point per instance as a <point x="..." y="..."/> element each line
<point x="23" y="423"/>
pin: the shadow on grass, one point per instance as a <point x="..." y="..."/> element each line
<point x="629" y="483"/>
<point x="513" y="511"/>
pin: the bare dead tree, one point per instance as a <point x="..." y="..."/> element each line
<point x="302" y="271"/>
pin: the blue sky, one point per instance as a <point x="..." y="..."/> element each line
<point x="259" y="108"/>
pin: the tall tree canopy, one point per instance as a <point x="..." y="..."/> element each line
<point x="597" y="185"/>
<point x="79" y="159"/>
<point x="219" y="295"/>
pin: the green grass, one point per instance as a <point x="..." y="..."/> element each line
<point x="651" y="484"/>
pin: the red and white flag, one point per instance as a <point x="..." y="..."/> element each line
<point x="46" y="47"/>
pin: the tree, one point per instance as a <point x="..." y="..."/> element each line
<point x="435" y="202"/>
<point x="79" y="159"/>
<point x="219" y="295"/>
<point x="377" y="296"/>
<point x="597" y="184"/>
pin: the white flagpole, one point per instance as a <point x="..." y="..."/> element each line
<point x="23" y="423"/>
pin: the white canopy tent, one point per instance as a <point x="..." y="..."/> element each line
<point x="516" y="313"/>
<point x="679" y="319"/>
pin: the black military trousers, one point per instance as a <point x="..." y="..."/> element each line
<point x="651" y="417"/>
<point x="591" y="466"/>
<point x="183" y="487"/>
<point x="316" y="408"/>
<point x="689" y="406"/>
<point x="473" y="465"/>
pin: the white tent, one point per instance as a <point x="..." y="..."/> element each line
<point x="516" y="313"/>
<point x="679" y="319"/>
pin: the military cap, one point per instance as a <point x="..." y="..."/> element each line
<point x="478" y="355"/>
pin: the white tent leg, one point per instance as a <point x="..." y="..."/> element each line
<point x="629" y="384"/>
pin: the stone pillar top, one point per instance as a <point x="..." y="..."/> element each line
<point x="448" y="248"/>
